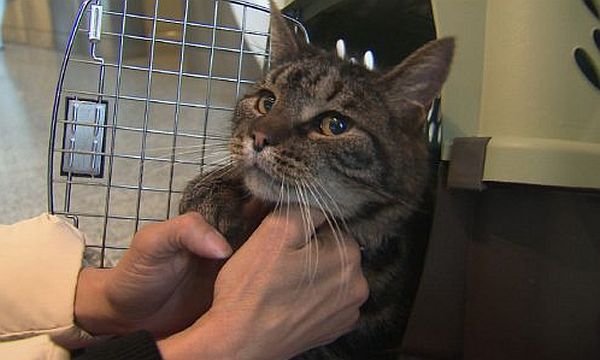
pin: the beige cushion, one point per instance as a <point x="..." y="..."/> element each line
<point x="40" y="260"/>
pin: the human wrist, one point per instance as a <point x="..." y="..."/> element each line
<point x="210" y="337"/>
<point x="92" y="311"/>
<point x="225" y="334"/>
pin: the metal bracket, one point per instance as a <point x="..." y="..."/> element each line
<point x="84" y="138"/>
<point x="95" y="23"/>
<point x="467" y="163"/>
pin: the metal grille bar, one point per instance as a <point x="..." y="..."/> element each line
<point x="169" y="97"/>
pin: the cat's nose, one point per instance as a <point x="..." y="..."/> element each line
<point x="260" y="140"/>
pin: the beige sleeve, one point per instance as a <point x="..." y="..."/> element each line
<point x="40" y="261"/>
<point x="39" y="347"/>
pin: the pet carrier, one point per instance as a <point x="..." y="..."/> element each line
<point x="143" y="103"/>
<point x="145" y="93"/>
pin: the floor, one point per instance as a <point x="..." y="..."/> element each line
<point x="27" y="80"/>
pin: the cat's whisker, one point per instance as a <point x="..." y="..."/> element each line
<point x="171" y="149"/>
<point x="307" y="256"/>
<point x="306" y="209"/>
<point x="216" y="140"/>
<point x="322" y="202"/>
<point x="272" y="182"/>
<point x="164" y="167"/>
<point x="278" y="210"/>
<point x="313" y="185"/>
<point x="305" y="215"/>
<point x="212" y="166"/>
<point x="213" y="136"/>
<point x="277" y="207"/>
<point x="209" y="135"/>
<point x="161" y="164"/>
<point x="287" y="189"/>
<point x="187" y="151"/>
<point x="218" y="152"/>
<point x="219" y="172"/>
<point x="208" y="158"/>
<point x="280" y="197"/>
<point x="316" y="182"/>
<point x="336" y="231"/>
<point x="313" y="229"/>
<point x="209" y="167"/>
<point x="307" y="241"/>
<point x="213" y="156"/>
<point x="310" y="228"/>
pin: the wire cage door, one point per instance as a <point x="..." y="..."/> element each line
<point x="143" y="103"/>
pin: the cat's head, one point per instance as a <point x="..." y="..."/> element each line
<point x="319" y="129"/>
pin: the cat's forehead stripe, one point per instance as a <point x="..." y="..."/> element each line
<point x="322" y="82"/>
<point x="293" y="73"/>
<point x="336" y="89"/>
<point x="275" y="74"/>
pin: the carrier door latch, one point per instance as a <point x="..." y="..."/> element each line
<point x="84" y="138"/>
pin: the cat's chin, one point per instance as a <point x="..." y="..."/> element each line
<point x="265" y="187"/>
<point x="262" y="185"/>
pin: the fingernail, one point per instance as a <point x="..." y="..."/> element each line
<point x="220" y="246"/>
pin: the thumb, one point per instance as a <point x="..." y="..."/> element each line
<point x="194" y="234"/>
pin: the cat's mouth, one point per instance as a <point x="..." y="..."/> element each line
<point x="258" y="170"/>
<point x="252" y="159"/>
<point x="268" y="174"/>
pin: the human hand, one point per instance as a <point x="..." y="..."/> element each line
<point x="163" y="283"/>
<point x="266" y="304"/>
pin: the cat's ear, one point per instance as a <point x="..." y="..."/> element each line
<point x="419" y="78"/>
<point x="284" y="43"/>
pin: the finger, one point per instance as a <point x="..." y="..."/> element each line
<point x="201" y="238"/>
<point x="290" y="227"/>
<point x="186" y="232"/>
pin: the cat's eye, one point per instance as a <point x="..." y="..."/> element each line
<point x="334" y="124"/>
<point x="266" y="102"/>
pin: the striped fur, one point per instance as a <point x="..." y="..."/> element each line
<point x="369" y="180"/>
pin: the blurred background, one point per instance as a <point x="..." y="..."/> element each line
<point x="35" y="34"/>
<point x="512" y="269"/>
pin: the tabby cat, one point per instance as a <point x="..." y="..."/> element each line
<point x="327" y="133"/>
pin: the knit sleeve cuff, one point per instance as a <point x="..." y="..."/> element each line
<point x="136" y="346"/>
